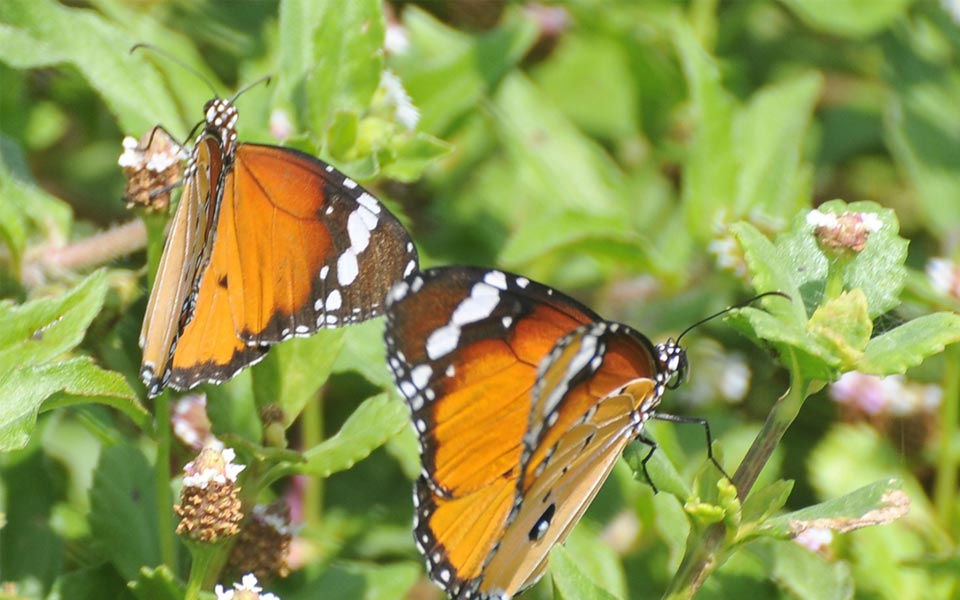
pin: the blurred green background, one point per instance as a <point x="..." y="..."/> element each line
<point x="602" y="147"/>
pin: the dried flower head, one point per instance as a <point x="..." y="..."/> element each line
<point x="846" y="231"/>
<point x="248" y="589"/>
<point x="209" y="508"/>
<point x="264" y="542"/>
<point x="152" y="167"/>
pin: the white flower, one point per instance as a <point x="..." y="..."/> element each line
<point x="814" y="538"/>
<point x="248" y="589"/>
<point x="213" y="464"/>
<point x="397" y="97"/>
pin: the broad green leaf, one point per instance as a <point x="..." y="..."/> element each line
<point x="375" y="421"/>
<point x="361" y="581"/>
<point x="21" y="50"/>
<point x="347" y="60"/>
<point x="773" y="269"/>
<point x="570" y="582"/>
<point x="43" y="329"/>
<point x="856" y="19"/>
<point x="768" y="139"/>
<point x="448" y="73"/>
<point x="232" y="407"/>
<point x="572" y="231"/>
<point x="807" y="575"/>
<point x="294" y="371"/>
<point x="157" y="584"/>
<point x="909" y="344"/>
<point x="123" y="510"/>
<point x="298" y="21"/>
<point x="879" y="503"/>
<point x="30" y="549"/>
<point x="23" y="392"/>
<point x="710" y="173"/>
<point x="560" y="167"/>
<point x="130" y="85"/>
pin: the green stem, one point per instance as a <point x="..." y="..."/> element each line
<point x="945" y="484"/>
<point x="312" y="432"/>
<point x="207" y="559"/>
<point x="705" y="550"/>
<point x="168" y="546"/>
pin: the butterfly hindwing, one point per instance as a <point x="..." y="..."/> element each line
<point x="516" y="430"/>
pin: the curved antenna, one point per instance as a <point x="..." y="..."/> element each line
<point x="265" y="80"/>
<point x="729" y="308"/>
<point x="177" y="61"/>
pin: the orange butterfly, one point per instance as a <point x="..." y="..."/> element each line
<point x="522" y="400"/>
<point x="267" y="243"/>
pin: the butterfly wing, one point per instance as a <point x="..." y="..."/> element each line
<point x="184" y="252"/>
<point x="463" y="345"/>
<point x="594" y="392"/>
<point x="298" y="247"/>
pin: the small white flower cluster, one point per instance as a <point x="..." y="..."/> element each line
<point x="814" y="539"/>
<point x="239" y="591"/>
<point x="397" y="97"/>
<point x="220" y="470"/>
<point x="137" y="156"/>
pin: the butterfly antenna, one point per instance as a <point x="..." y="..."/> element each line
<point x="730" y="308"/>
<point x="264" y="80"/>
<point x="177" y="61"/>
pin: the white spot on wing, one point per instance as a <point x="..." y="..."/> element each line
<point x="334" y="301"/>
<point x="370" y="202"/>
<point x="442" y="341"/>
<point x="347" y="268"/>
<point x="496" y="279"/>
<point x="420" y="375"/>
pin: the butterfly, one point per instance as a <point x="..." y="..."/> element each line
<point x="522" y="399"/>
<point x="267" y="243"/>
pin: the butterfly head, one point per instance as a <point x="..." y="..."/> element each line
<point x="220" y="119"/>
<point x="672" y="360"/>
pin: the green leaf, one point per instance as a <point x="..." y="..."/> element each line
<point x="375" y="421"/>
<point x="232" y="407"/>
<point x="447" y="73"/>
<point x="879" y="503"/>
<point x="157" y="584"/>
<point x="909" y="344"/>
<point x="123" y="508"/>
<point x="413" y="154"/>
<point x="294" y="371"/>
<point x="594" y="555"/>
<point x="23" y="392"/>
<point x="572" y="231"/>
<point x="764" y="502"/>
<point x="842" y="325"/>
<point x="570" y="583"/>
<point x="662" y="472"/>
<point x="709" y="177"/>
<point x="364" y="352"/>
<point x="43" y="329"/>
<point x="768" y="139"/>
<point x="807" y="575"/>
<point x="347" y="60"/>
<point x="101" y="581"/>
<point x="561" y="167"/>
<point x="773" y="270"/>
<point x="130" y="85"/>
<point x="856" y="19"/>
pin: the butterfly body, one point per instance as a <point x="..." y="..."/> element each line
<point x="522" y="400"/>
<point x="266" y="244"/>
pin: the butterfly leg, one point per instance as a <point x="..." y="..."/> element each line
<point x="643" y="439"/>
<point x="706" y="429"/>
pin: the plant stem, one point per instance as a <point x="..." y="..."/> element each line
<point x="168" y="547"/>
<point x="312" y="421"/>
<point x="945" y="484"/>
<point x="704" y="549"/>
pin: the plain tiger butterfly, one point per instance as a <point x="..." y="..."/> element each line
<point x="522" y="399"/>
<point x="267" y="243"/>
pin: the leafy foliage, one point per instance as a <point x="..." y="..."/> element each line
<point x="658" y="160"/>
